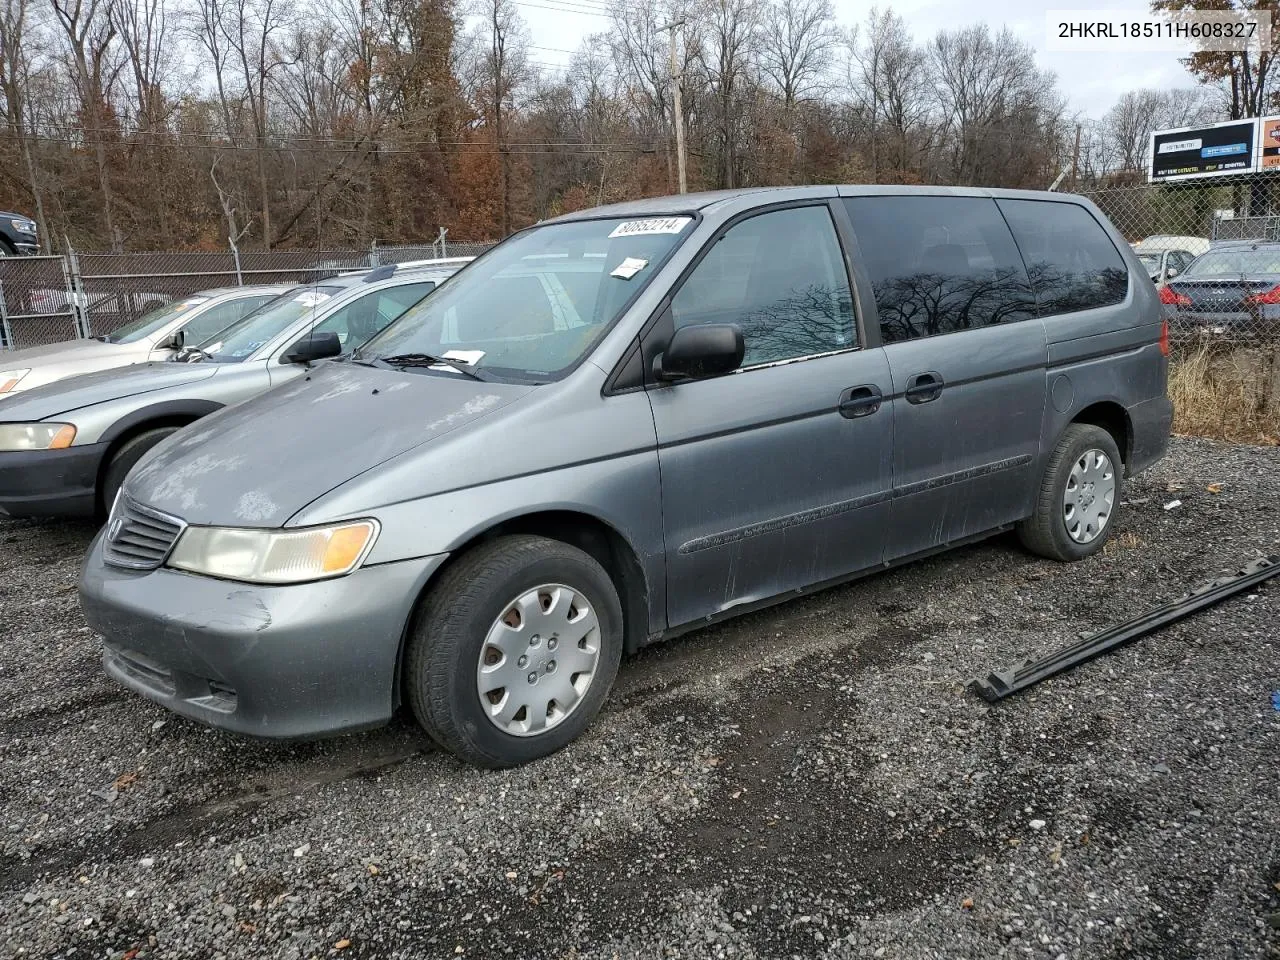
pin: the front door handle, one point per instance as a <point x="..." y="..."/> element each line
<point x="860" y="401"/>
<point x="924" y="387"/>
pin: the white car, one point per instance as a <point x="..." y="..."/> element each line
<point x="156" y="335"/>
<point x="1164" y="256"/>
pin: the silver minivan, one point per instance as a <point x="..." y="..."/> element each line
<point x="624" y="424"/>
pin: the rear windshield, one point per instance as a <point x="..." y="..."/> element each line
<point x="240" y="340"/>
<point x="1234" y="263"/>
<point x="153" y="320"/>
<point x="534" y="306"/>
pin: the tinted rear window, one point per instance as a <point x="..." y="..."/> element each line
<point x="939" y="264"/>
<point x="1072" y="262"/>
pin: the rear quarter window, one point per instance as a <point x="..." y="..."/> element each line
<point x="939" y="264"/>
<point x="1071" y="260"/>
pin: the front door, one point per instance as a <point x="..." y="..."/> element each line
<point x="776" y="476"/>
<point x="967" y="356"/>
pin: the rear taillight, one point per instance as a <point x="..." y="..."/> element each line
<point x="1164" y="338"/>
<point x="1267" y="296"/>
<point x="1173" y="298"/>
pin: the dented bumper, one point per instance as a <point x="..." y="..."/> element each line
<point x="280" y="662"/>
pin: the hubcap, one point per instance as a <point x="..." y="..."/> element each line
<point x="1090" y="496"/>
<point x="538" y="660"/>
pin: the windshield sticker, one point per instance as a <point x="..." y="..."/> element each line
<point x="311" y="299"/>
<point x="629" y="267"/>
<point x="638" y="228"/>
<point x="469" y="357"/>
<point x="192" y="302"/>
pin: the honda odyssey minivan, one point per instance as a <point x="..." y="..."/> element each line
<point x="623" y="424"/>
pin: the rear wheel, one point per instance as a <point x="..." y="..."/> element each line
<point x="514" y="650"/>
<point x="1079" y="495"/>
<point x="125" y="459"/>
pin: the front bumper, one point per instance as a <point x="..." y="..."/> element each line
<point x="51" y="483"/>
<point x="289" y="662"/>
<point x="26" y="248"/>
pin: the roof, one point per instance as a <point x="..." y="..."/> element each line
<point x="249" y="288"/>
<point x="677" y="203"/>
<point x="693" y="202"/>
<point x="429" y="270"/>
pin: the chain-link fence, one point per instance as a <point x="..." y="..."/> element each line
<point x="46" y="300"/>
<point x="1211" y="246"/>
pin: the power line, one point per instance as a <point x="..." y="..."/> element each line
<point x="546" y="6"/>
<point x="519" y="148"/>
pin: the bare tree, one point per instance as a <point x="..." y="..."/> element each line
<point x="243" y="37"/>
<point x="506" y="66"/>
<point x="892" y="78"/>
<point x="993" y="100"/>
<point x="145" y="31"/>
<point x="89" y="35"/>
<point x="14" y="77"/>
<point x="797" y="40"/>
<point x="1129" y="124"/>
<point x="731" y="30"/>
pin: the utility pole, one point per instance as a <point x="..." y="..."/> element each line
<point x="1075" y="162"/>
<point x="676" y="106"/>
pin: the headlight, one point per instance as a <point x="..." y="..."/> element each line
<point x="274" y="556"/>
<point x="24" y="226"/>
<point x="9" y="378"/>
<point x="36" y="436"/>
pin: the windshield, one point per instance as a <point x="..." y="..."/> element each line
<point x="1235" y="263"/>
<point x="153" y="320"/>
<point x="537" y="304"/>
<point x="241" y="339"/>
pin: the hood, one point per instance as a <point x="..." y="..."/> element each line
<point x="72" y="393"/>
<point x="52" y="353"/>
<point x="68" y="359"/>
<point x="258" y="463"/>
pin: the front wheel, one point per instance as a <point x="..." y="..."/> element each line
<point x="514" y="651"/>
<point x="1078" y="497"/>
<point x="125" y="459"/>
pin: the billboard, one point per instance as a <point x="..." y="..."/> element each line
<point x="1216" y="150"/>
<point x="1269" y="143"/>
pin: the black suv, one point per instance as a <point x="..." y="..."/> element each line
<point x="17" y="235"/>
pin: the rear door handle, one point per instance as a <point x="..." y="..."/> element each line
<point x="924" y="387"/>
<point x="860" y="401"/>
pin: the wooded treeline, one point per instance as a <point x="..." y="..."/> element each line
<point x="163" y="124"/>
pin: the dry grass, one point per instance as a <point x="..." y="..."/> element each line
<point x="1226" y="393"/>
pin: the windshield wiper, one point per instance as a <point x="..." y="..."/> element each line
<point x="403" y="360"/>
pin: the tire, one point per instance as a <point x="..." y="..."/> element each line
<point x="124" y="460"/>
<point x="461" y="614"/>
<point x="1049" y="530"/>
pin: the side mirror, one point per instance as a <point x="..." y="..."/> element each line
<point x="1170" y="273"/>
<point x="701" y="350"/>
<point x="175" y="342"/>
<point x="317" y="346"/>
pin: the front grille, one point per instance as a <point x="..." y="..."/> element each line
<point x="138" y="537"/>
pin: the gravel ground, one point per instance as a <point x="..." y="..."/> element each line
<point x="811" y="781"/>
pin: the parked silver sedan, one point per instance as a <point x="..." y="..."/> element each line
<point x="156" y="335"/>
<point x="65" y="448"/>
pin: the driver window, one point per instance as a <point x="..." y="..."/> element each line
<point x="781" y="277"/>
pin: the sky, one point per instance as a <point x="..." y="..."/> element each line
<point x="1091" y="81"/>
